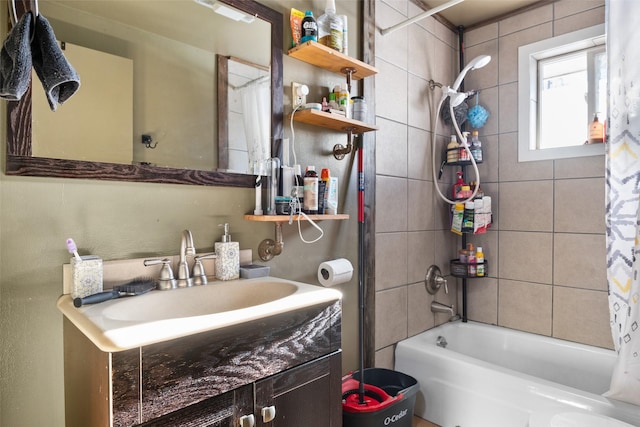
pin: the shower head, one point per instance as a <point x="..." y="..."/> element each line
<point x="475" y="63"/>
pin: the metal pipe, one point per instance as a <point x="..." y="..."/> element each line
<point x="420" y="16"/>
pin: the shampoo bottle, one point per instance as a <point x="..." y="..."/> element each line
<point x="310" y="204"/>
<point x="480" y="261"/>
<point x="227" y="257"/>
<point x="452" y="150"/>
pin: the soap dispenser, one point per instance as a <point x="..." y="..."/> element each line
<point x="227" y="257"/>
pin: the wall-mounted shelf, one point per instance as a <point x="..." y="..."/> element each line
<point x="333" y="121"/>
<point x="324" y="57"/>
<point x="269" y="248"/>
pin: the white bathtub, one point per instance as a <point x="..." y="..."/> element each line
<point x="489" y="376"/>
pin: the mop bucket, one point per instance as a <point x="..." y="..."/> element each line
<point x="389" y="399"/>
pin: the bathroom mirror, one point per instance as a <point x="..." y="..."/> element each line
<point x="186" y="35"/>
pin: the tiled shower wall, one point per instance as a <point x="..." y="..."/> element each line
<point x="546" y="249"/>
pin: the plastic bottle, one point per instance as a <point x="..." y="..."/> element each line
<point x="467" y="219"/>
<point x="471" y="259"/>
<point x="452" y="150"/>
<point x="343" y="100"/>
<point x="596" y="131"/>
<point x="345" y="38"/>
<point x="298" y="183"/>
<point x="330" y="27"/>
<point x="464" y="193"/>
<point x="323" y="185"/>
<point x="457" y="187"/>
<point x="456" y="222"/>
<point x="463" y="154"/>
<point x="309" y="28"/>
<point x="476" y="146"/>
<point x="480" y="262"/>
<point x="310" y="204"/>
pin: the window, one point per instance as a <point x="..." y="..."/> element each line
<point x="563" y="87"/>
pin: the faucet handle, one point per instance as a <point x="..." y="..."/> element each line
<point x="197" y="273"/>
<point x="166" y="280"/>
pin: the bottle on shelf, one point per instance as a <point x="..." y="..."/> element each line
<point x="331" y="27"/>
<point x="480" y="262"/>
<point x="309" y="28"/>
<point x="463" y="153"/>
<point x="596" y="131"/>
<point x="467" y="218"/>
<point x="456" y="221"/>
<point x="310" y="204"/>
<point x="472" y="261"/>
<point x="457" y="186"/>
<point x="476" y="146"/>
<point x="452" y="150"/>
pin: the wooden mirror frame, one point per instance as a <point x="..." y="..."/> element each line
<point x="19" y="159"/>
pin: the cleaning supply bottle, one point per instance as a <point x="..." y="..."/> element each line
<point x="310" y="205"/>
<point x="457" y="186"/>
<point x="480" y="262"/>
<point x="309" y="28"/>
<point x="330" y="27"/>
<point x="227" y="256"/>
<point x="452" y="150"/>
<point x="456" y="221"/>
<point x="476" y="147"/>
<point x="596" y="131"/>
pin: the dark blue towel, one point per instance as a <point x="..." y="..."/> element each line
<point x="58" y="77"/>
<point x="15" y="60"/>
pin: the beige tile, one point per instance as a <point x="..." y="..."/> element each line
<point x="419" y="161"/>
<point x="391" y="260"/>
<point x="579" y="261"/>
<point x="525" y="256"/>
<point x="428" y="23"/>
<point x="564" y="8"/>
<point x="446" y="248"/>
<point x="480" y="35"/>
<point x="391" y="317"/>
<point x="422" y="45"/>
<point x="580" y="167"/>
<point x="525" y="306"/>
<point x="486" y="76"/>
<point x="391" y="204"/>
<point x="491" y="190"/>
<point x="526" y="205"/>
<point x="418" y="114"/>
<point x="420" y="317"/>
<point x="391" y="47"/>
<point x="441" y="209"/>
<point x="420" y="254"/>
<point x="579" y="21"/>
<point x="579" y="205"/>
<point x="582" y="316"/>
<point x="446" y="65"/>
<point x="391" y="148"/>
<point x="385" y="357"/>
<point x="490" y="160"/>
<point x="526" y="19"/>
<point x="391" y="80"/>
<point x="508" y="70"/>
<point x="508" y="115"/>
<point x="482" y="300"/>
<point x="512" y="170"/>
<point x="421" y="211"/>
<point x="449" y="37"/>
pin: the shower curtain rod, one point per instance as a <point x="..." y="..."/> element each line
<point x="421" y="16"/>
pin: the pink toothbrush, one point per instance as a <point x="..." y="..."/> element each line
<point x="73" y="249"/>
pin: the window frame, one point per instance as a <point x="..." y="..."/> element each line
<point x="528" y="59"/>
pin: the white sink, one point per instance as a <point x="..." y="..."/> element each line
<point x="157" y="316"/>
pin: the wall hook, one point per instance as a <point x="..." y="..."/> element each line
<point x="147" y="140"/>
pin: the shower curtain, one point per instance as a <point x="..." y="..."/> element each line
<point x="622" y="198"/>
<point x="256" y="112"/>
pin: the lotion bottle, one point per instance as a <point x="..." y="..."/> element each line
<point x="227" y="257"/>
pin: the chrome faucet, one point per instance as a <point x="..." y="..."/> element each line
<point x="186" y="249"/>
<point x="438" y="307"/>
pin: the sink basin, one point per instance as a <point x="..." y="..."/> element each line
<point x="197" y="301"/>
<point x="157" y="316"/>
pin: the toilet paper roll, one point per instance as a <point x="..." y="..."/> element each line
<point x="331" y="273"/>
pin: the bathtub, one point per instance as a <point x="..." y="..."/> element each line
<point x="490" y="376"/>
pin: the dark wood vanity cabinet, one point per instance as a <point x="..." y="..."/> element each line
<point x="289" y="364"/>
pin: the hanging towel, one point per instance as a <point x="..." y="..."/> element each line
<point x="15" y="60"/>
<point x="58" y="77"/>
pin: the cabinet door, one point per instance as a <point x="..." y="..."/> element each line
<point x="220" y="411"/>
<point x="308" y="395"/>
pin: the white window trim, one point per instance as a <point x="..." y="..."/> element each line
<point x="528" y="57"/>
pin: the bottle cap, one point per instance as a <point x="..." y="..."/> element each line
<point x="479" y="249"/>
<point x="324" y="174"/>
<point x="308" y="13"/>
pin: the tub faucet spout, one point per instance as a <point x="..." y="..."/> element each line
<point x="186" y="249"/>
<point x="438" y="307"/>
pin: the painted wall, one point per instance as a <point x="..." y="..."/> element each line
<point x="119" y="220"/>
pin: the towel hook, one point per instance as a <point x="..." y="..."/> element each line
<point x="13" y="11"/>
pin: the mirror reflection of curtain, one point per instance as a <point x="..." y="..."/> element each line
<point x="622" y="197"/>
<point x="256" y="107"/>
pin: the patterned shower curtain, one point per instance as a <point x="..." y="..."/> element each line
<point x="623" y="191"/>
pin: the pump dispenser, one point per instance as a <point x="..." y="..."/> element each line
<point x="228" y="256"/>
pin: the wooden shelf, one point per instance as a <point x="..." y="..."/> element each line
<point x="285" y="218"/>
<point x="332" y="121"/>
<point x="330" y="59"/>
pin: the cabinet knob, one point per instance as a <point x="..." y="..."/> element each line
<point x="247" y="421"/>
<point x="268" y="414"/>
